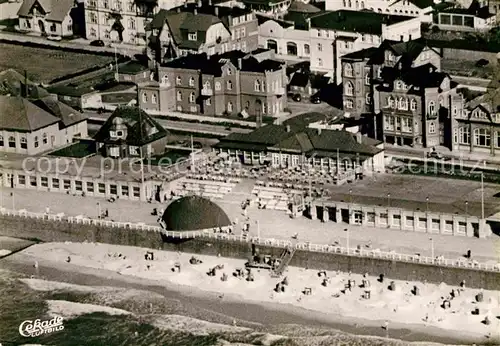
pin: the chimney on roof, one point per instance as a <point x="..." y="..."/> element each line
<point x="288" y="128"/>
<point x="240" y="64"/>
<point x="359" y="137"/>
<point x="178" y="10"/>
<point x="319" y="131"/>
<point x="195" y="11"/>
<point x="209" y="2"/>
<point x="216" y="10"/>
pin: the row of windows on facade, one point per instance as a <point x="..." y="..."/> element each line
<point x="23" y="142"/>
<point x="88" y="186"/>
<point x="404" y="124"/>
<point x="263" y="107"/>
<point x="482" y="136"/>
<point x="107" y="35"/>
<point x="258" y="85"/>
<point x="238" y="33"/>
<point x="349" y="72"/>
<point x="349" y="104"/>
<point x="94" y="19"/>
<point x="41" y="25"/>
<point x="113" y="4"/>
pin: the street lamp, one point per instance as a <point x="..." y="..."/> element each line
<point x="432" y="248"/>
<point x="466" y="208"/>
<point x="98" y="210"/>
<point x="388" y="200"/>
<point x="482" y="195"/>
<point x="350" y="196"/>
<point x="347" y="241"/>
<point x="427" y="205"/>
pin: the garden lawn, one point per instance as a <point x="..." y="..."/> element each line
<point x="45" y="64"/>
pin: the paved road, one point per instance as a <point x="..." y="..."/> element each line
<point x="458" y="158"/>
<point x="76" y="44"/>
<point x="181" y="126"/>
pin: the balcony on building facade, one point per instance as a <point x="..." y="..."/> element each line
<point x="207" y="92"/>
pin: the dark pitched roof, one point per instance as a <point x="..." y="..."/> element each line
<point x="302" y="121"/>
<point x="355" y="21"/>
<point x="141" y="128"/>
<point x="192" y="213"/>
<point x="182" y="23"/>
<point x="19" y="114"/>
<point x="224" y="13"/>
<point x="424" y="76"/>
<point x="213" y="65"/>
<point x="366" y="53"/>
<point x="331" y="141"/>
<point x="132" y="67"/>
<point x="65" y="113"/>
<point x="56" y="10"/>
<point x="13" y="83"/>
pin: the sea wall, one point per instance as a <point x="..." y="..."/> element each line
<point x="45" y="230"/>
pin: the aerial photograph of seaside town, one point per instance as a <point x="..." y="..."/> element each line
<point x="249" y="172"/>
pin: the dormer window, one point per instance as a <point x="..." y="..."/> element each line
<point x="229" y="72"/>
<point x="398" y="85"/>
<point x="192" y="36"/>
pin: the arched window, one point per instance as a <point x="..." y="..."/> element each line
<point x="217" y="85"/>
<point x="272" y="45"/>
<point x="348" y="71"/>
<point x="191" y="97"/>
<point x="164" y="79"/>
<point x="229" y="85"/>
<point x="432" y="108"/>
<point x="398" y="85"/>
<point x="178" y="80"/>
<point x="307" y="49"/>
<point x="229" y="107"/>
<point x="44" y="138"/>
<point x="12" y="141"/>
<point x="368" y="99"/>
<point x="247" y="105"/>
<point x="35" y="142"/>
<point x="24" y="143"/>
<point x="349" y="89"/>
<point x="362" y="4"/>
<point x="191" y="81"/>
<point x="291" y="48"/>
<point x="256" y="85"/>
<point x="206" y="85"/>
<point x="131" y="24"/>
<point x="413" y="105"/>
<point x="154" y="98"/>
<point x="144" y="97"/>
<point x="367" y="78"/>
<point x="179" y="96"/>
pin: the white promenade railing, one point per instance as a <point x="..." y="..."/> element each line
<point x="213" y="233"/>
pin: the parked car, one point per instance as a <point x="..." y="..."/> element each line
<point x="315" y="99"/>
<point x="97" y="43"/>
<point x="54" y="38"/>
<point x="297" y="97"/>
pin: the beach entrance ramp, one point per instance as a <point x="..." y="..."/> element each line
<point x="285" y="259"/>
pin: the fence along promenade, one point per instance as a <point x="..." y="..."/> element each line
<point x="278" y="243"/>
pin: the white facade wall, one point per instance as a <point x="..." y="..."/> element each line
<point x="271" y="30"/>
<point x="34" y="140"/>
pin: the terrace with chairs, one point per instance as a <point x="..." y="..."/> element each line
<point x="205" y="185"/>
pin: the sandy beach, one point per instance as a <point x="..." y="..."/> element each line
<point x="396" y="309"/>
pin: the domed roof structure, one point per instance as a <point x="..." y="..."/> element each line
<point x="192" y="213"/>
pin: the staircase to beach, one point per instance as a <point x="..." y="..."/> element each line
<point x="285" y="259"/>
